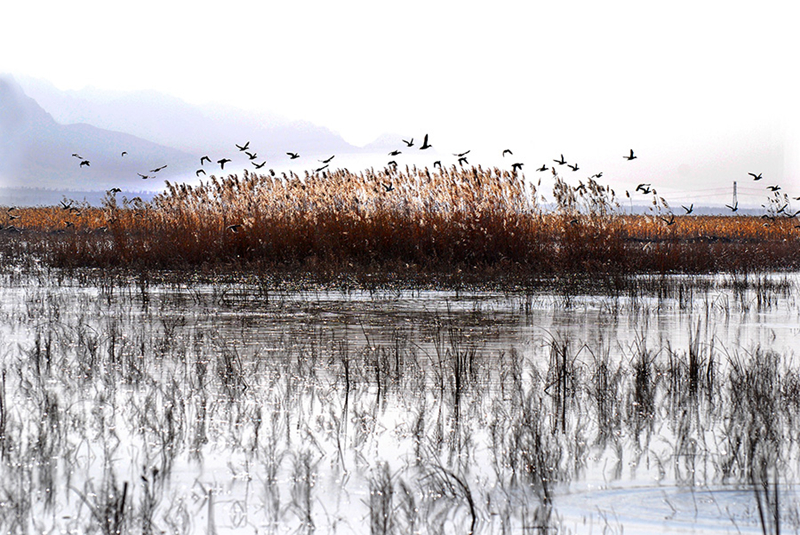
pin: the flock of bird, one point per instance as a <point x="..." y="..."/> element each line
<point x="778" y="206"/>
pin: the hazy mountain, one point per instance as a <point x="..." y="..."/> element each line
<point x="36" y="151"/>
<point x="209" y="129"/>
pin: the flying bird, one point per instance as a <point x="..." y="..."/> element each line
<point x="157" y="169"/>
<point x="573" y="167"/>
<point x="199" y="172"/>
<point x="144" y="177"/>
<point x="516" y="167"/>
<point x="461" y="154"/>
<point x="543" y="168"/>
<point x="562" y="161"/>
<point x="321" y="168"/>
<point x="755" y="176"/>
<point x="233" y="228"/>
<point x="425" y="143"/>
<point x="112" y="191"/>
<point x="123" y="153"/>
<point x="438" y="164"/>
<point x="222" y="162"/>
<point x="85" y="162"/>
<point x="409" y="143"/>
<point x="388" y="187"/>
<point x="259" y="165"/>
<point x="463" y="160"/>
<point x="630" y="156"/>
<point x="252" y="155"/>
<point x="644" y="188"/>
<point x="243" y="147"/>
<point x="76" y="155"/>
<point x="205" y="158"/>
<point x="598" y="175"/>
<point x="688" y="210"/>
<point x="669" y="221"/>
<point x="328" y="160"/>
<point x="394" y="153"/>
<point x="734" y="207"/>
<point x="507" y="151"/>
<point x="771" y="188"/>
<point x="392" y="162"/>
<point x="293" y="155"/>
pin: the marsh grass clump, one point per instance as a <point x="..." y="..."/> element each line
<point x="459" y="223"/>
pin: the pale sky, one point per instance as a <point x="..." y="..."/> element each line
<point x="687" y="84"/>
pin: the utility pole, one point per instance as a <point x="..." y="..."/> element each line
<point x="735" y="199"/>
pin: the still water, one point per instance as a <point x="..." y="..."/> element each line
<point x="233" y="409"/>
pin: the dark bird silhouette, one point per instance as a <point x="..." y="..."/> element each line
<point x="328" y="160"/>
<point x="461" y="154"/>
<point x="66" y="205"/>
<point x="438" y="164"/>
<point x="755" y="176"/>
<point x="85" y="162"/>
<point x="199" y="172"/>
<point x="688" y="210"/>
<point x="409" y="143"/>
<point x="392" y="162"/>
<point x="144" y="177"/>
<point x="388" y="187"/>
<point x="562" y="161"/>
<point x="222" y="162"/>
<point x="206" y="159"/>
<point x="644" y="188"/>
<point x="507" y="151"/>
<point x="573" y="167"/>
<point x="252" y="155"/>
<point x="516" y="166"/>
<point x="669" y="221"/>
<point x="630" y="156"/>
<point x="259" y="165"/>
<point x="733" y="208"/>
<point x="771" y="188"/>
<point x="76" y="155"/>
<point x="394" y="153"/>
<point x="598" y="175"/>
<point x="425" y="144"/>
<point x="542" y="168"/>
<point x="581" y="188"/>
<point x="463" y="160"/>
<point x="321" y="168"/>
<point x="157" y="169"/>
<point x="293" y="155"/>
<point x="123" y="153"/>
<point x="243" y="147"/>
<point x="233" y="228"/>
<point x="112" y="191"/>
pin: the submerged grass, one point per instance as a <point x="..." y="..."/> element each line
<point x="129" y="414"/>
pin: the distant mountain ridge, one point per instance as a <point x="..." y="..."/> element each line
<point x="36" y="151"/>
<point x="170" y="121"/>
<point x="40" y="131"/>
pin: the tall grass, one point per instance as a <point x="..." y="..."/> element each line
<point x="484" y="222"/>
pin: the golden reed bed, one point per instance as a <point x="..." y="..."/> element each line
<point x="395" y="220"/>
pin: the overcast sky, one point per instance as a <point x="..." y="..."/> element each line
<point x="701" y="90"/>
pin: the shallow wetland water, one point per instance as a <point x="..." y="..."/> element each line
<point x="232" y="409"/>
